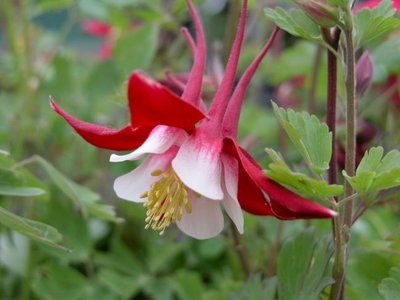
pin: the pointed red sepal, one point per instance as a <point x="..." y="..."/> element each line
<point x="283" y="203"/>
<point x="152" y="104"/>
<point x="105" y="137"/>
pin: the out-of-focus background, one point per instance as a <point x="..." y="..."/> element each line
<point x="81" y="53"/>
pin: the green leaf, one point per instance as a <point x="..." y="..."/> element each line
<point x="188" y="285"/>
<point x="372" y="25"/>
<point x="294" y="21"/>
<point x="123" y="285"/>
<point x="21" y="191"/>
<point x="84" y="198"/>
<point x="257" y="288"/>
<point x="310" y="136"/>
<point x="386" y="59"/>
<point x="280" y="172"/>
<point x="376" y="172"/>
<point x="35" y="230"/>
<point x="59" y="282"/>
<point x="389" y="287"/>
<point x="303" y="267"/>
<point x="137" y="49"/>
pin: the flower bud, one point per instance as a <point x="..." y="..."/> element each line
<point x="364" y="73"/>
<point x="321" y="13"/>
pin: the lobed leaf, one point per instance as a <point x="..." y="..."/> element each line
<point x="389" y="287"/>
<point x="310" y="136"/>
<point x="302" y="268"/>
<point x="280" y="172"/>
<point x="294" y="21"/>
<point x="372" y="25"/>
<point x="375" y="172"/>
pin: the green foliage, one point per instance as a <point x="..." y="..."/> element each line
<point x="373" y="25"/>
<point x="35" y="230"/>
<point x="316" y="189"/>
<point x="303" y="267"/>
<point x="294" y="21"/>
<point x="136" y="50"/>
<point x="310" y="137"/>
<point x="376" y="172"/>
<point x="386" y="59"/>
<point x="257" y="288"/>
<point x="389" y="287"/>
<point x="84" y="198"/>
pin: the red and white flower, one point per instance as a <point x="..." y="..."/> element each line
<point x="191" y="171"/>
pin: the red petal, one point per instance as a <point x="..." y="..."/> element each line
<point x="153" y="104"/>
<point x="284" y="203"/>
<point x="105" y="137"/>
<point x="250" y="196"/>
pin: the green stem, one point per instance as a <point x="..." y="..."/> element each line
<point x="342" y="254"/>
<point x="241" y="250"/>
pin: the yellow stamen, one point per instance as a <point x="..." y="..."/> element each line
<point x="167" y="201"/>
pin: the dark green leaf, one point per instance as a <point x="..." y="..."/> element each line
<point x="59" y="282"/>
<point x="302" y="267"/>
<point x="389" y="287"/>
<point x="257" y="288"/>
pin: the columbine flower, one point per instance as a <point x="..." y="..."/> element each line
<point x="191" y="171"/>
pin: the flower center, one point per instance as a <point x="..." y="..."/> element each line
<point x="167" y="198"/>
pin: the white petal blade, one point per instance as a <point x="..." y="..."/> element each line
<point x="160" y="140"/>
<point x="231" y="203"/>
<point x="198" y="165"/>
<point x="205" y="221"/>
<point x="132" y="185"/>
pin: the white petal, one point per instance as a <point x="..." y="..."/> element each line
<point x="198" y="165"/>
<point x="160" y="140"/>
<point x="132" y="185"/>
<point x="205" y="221"/>
<point x="231" y="203"/>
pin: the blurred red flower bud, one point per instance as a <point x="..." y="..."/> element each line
<point x="364" y="73"/>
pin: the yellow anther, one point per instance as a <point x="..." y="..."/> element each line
<point x="167" y="201"/>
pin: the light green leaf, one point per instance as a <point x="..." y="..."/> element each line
<point x="84" y="198"/>
<point x="310" y="136"/>
<point x="376" y="172"/>
<point x="21" y="191"/>
<point x="137" y="49"/>
<point x="294" y="21"/>
<point x="302" y="268"/>
<point x="389" y="287"/>
<point x="301" y="183"/>
<point x="372" y="25"/>
<point x="35" y="230"/>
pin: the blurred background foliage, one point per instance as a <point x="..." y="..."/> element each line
<point x="95" y="245"/>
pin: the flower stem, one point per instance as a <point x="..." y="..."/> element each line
<point x="241" y="250"/>
<point x="342" y="253"/>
